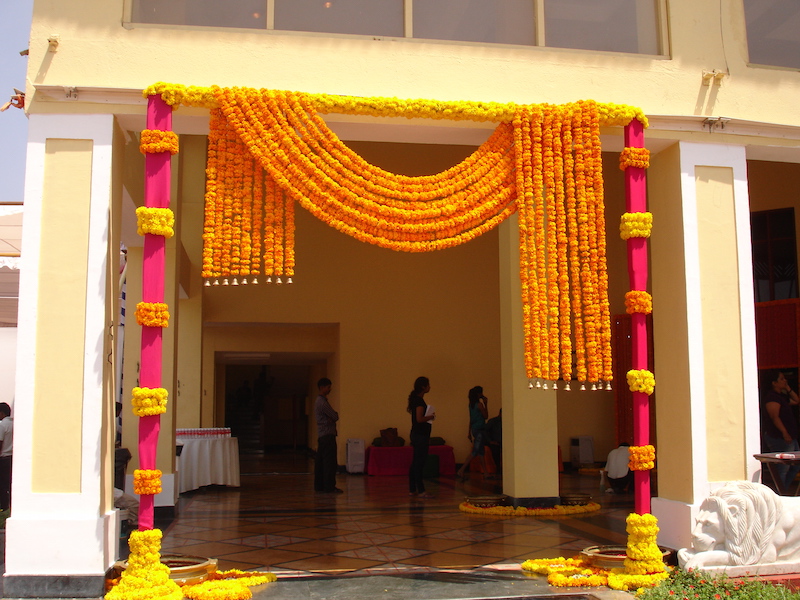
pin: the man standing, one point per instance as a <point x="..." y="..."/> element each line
<point x="620" y="478"/>
<point x="325" y="466"/>
<point x="6" y="439"/>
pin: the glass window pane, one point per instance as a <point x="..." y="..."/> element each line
<point x="773" y="32"/>
<point x="605" y="25"/>
<point x="251" y="14"/>
<point x="781" y="223"/>
<point x="494" y="21"/>
<point x="758" y="226"/>
<point x="361" y="17"/>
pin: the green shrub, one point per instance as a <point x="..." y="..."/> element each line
<point x="697" y="585"/>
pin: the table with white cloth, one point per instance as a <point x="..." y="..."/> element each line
<point x="212" y="461"/>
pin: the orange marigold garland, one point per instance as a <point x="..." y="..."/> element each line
<point x="638" y="301"/>
<point x="152" y="314"/>
<point x="642" y="458"/>
<point x="546" y="163"/>
<point x="147" y="482"/>
<point x="634" y="157"/>
<point x="153" y="141"/>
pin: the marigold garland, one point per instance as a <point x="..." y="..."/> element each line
<point x="153" y="141"/>
<point x="521" y="511"/>
<point x="156" y="221"/>
<point x="149" y="401"/>
<point x="638" y="158"/>
<point x="638" y="224"/>
<point x="643" y="566"/>
<point x="176" y="94"/>
<point x="152" y="314"/>
<point x="147" y="482"/>
<point x="228" y="585"/>
<point x="642" y="458"/>
<point x="641" y="380"/>
<point x="543" y="160"/>
<point x="146" y="577"/>
<point x="638" y="301"/>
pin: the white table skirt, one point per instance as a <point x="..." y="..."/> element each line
<point x="208" y="462"/>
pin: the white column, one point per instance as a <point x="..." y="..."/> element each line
<point x="60" y="543"/>
<point x="694" y="384"/>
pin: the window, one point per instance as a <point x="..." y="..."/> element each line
<point x="610" y="25"/>
<point x="773" y="32"/>
<point x="774" y="254"/>
<point x="249" y="14"/>
<point x="630" y="26"/>
<point x="362" y="17"/>
<point x="494" y="21"/>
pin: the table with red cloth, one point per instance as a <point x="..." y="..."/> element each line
<point x="397" y="460"/>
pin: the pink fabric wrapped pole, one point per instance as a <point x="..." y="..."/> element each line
<point x="156" y="195"/>
<point x="636" y="201"/>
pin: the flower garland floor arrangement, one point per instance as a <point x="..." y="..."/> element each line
<point x="643" y="567"/>
<point x="147" y="577"/>
<point x="558" y="510"/>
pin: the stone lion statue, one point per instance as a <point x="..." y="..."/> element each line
<point x="744" y="523"/>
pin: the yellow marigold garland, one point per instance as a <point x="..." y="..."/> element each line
<point x="610" y="114"/>
<point x="638" y="224"/>
<point x="643" y="566"/>
<point x="644" y="560"/>
<point x="638" y="301"/>
<point x="641" y="380"/>
<point x="152" y="314"/>
<point x="156" y="221"/>
<point x="642" y="458"/>
<point x="147" y="482"/>
<point x="521" y="511"/>
<point x="146" y="577"/>
<point x="634" y="157"/>
<point x="153" y="141"/>
<point x="228" y="585"/>
<point x="149" y="401"/>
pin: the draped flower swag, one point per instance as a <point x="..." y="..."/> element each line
<point x="268" y="150"/>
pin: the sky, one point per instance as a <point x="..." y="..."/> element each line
<point x="15" y="24"/>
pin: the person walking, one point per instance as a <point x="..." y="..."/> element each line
<point x="325" y="466"/>
<point x="476" y="433"/>
<point x="421" y="418"/>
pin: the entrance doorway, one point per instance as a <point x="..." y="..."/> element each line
<point x="267" y="402"/>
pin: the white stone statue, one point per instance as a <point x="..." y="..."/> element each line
<point x="743" y="524"/>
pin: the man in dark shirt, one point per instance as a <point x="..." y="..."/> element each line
<point x="325" y="466"/>
<point x="780" y="426"/>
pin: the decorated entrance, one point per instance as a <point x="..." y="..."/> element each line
<point x="269" y="150"/>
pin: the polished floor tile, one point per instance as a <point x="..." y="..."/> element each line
<point x="275" y="521"/>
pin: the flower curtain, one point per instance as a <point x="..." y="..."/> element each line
<point x="271" y="149"/>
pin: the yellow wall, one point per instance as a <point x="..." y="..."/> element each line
<point x="719" y="279"/>
<point x="671" y="366"/>
<point x="702" y="36"/>
<point x="58" y="395"/>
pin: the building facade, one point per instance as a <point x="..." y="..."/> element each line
<point x="718" y="83"/>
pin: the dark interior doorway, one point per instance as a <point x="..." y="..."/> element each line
<point x="268" y="408"/>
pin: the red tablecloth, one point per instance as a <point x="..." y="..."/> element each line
<point x="396" y="461"/>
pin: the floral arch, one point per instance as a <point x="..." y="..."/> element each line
<point x="270" y="149"/>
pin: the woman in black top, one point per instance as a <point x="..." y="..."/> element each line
<point x="420" y="436"/>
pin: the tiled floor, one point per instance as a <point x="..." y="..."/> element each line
<point x="275" y="521"/>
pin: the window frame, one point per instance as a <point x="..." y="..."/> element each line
<point x="661" y="30"/>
